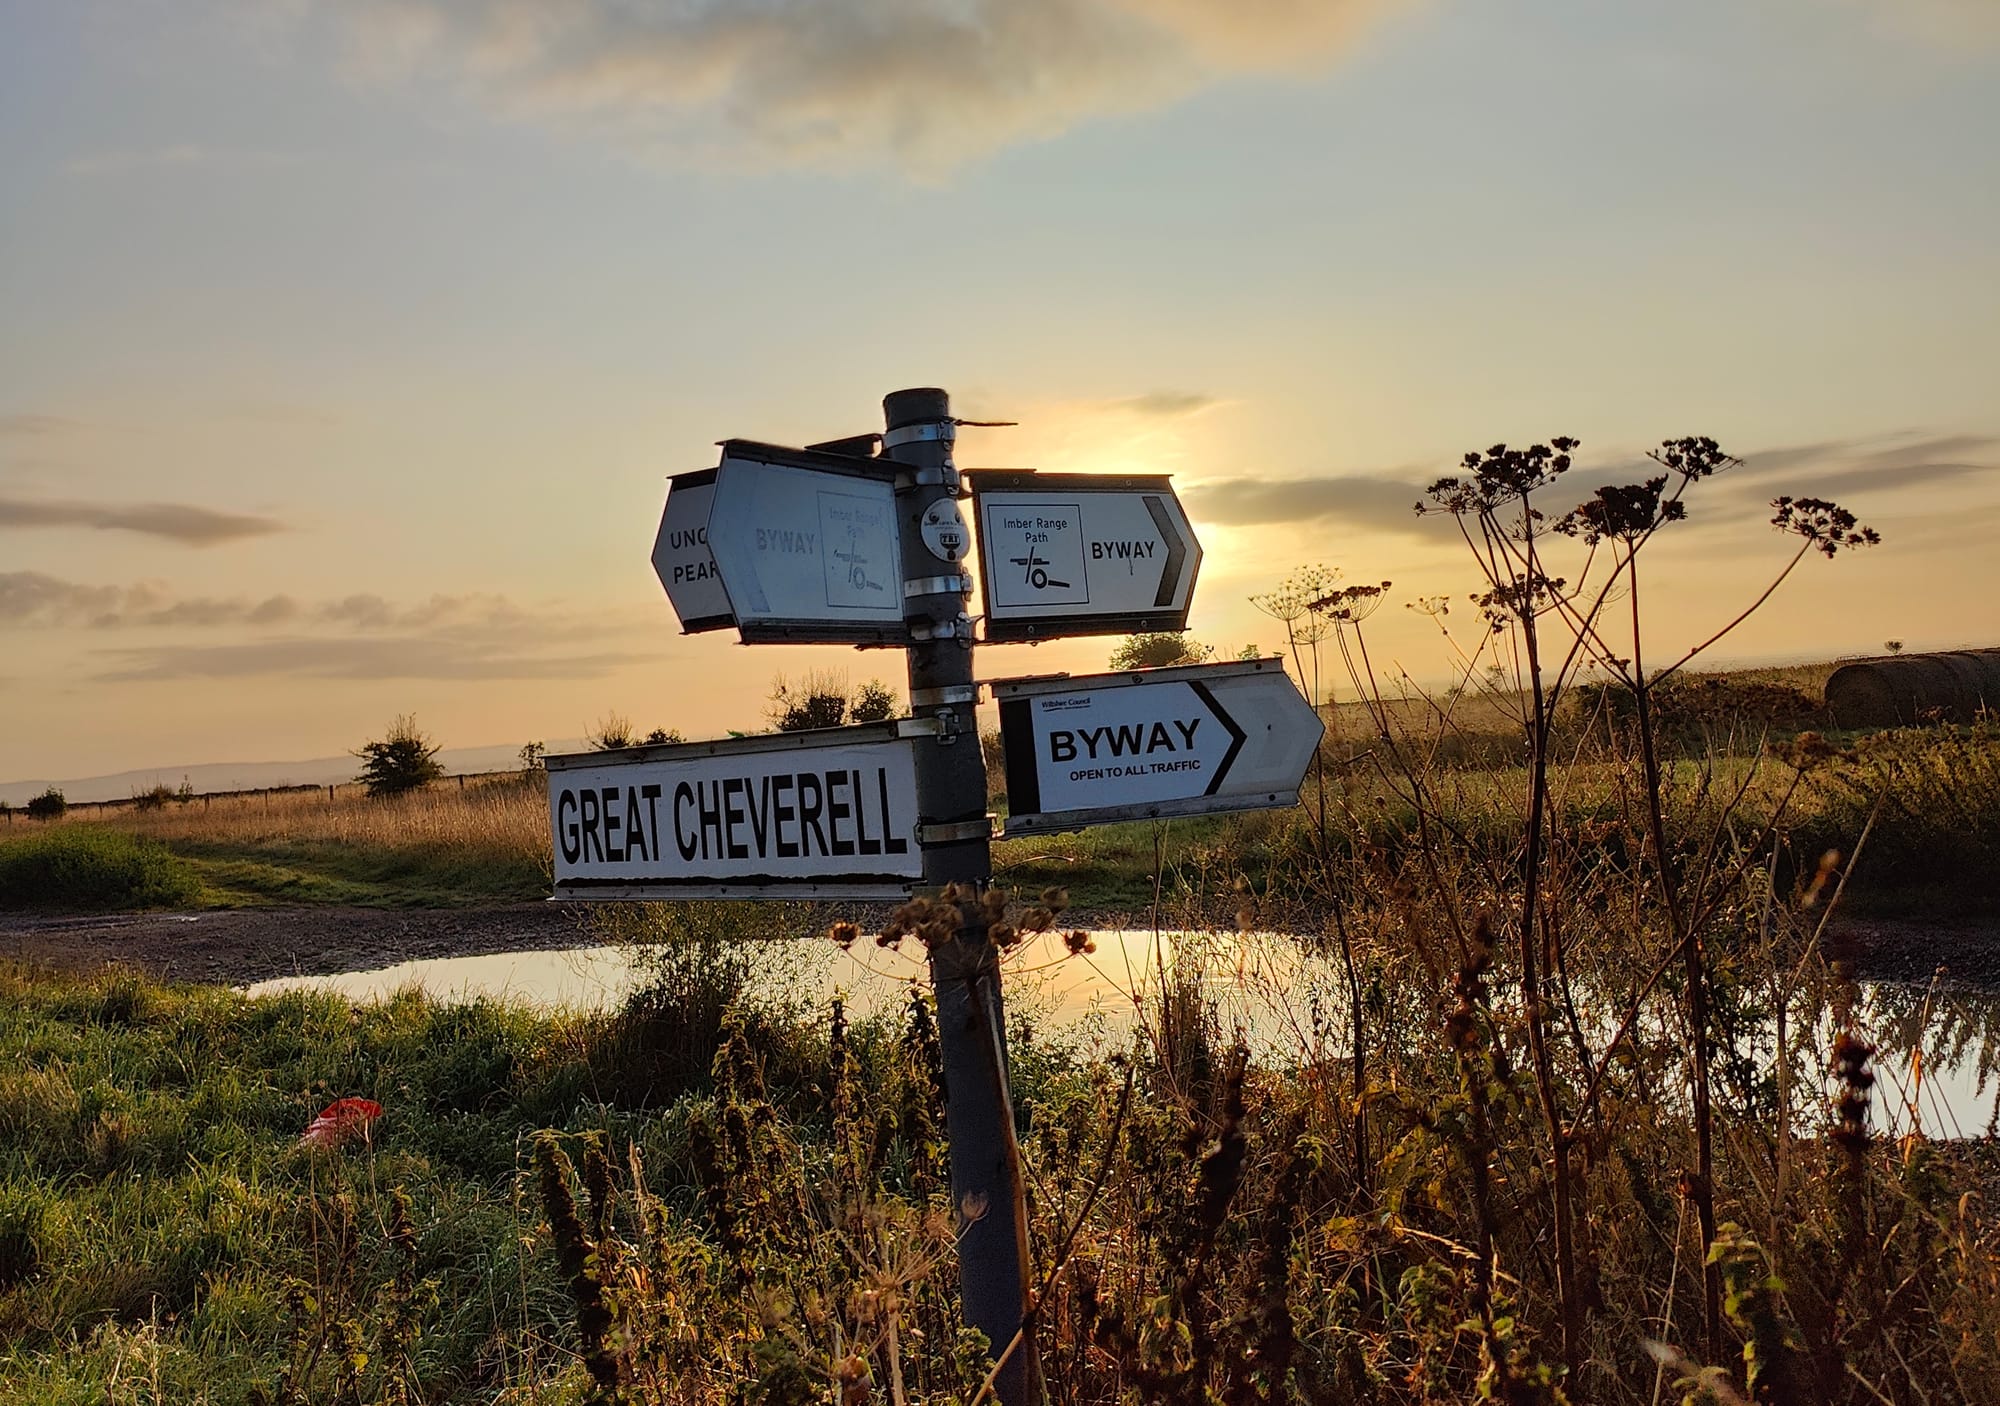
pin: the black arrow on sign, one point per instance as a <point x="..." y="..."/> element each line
<point x="1170" y="574"/>
<point x="1236" y="734"/>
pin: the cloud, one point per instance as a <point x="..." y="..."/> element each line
<point x="177" y="156"/>
<point x="407" y="657"/>
<point x="1380" y="504"/>
<point x="29" y="598"/>
<point x="1386" y="502"/>
<point x="33" y="598"/>
<point x="177" y="522"/>
<point x="1838" y="467"/>
<point x="22" y="424"/>
<point x="926" y="83"/>
<point x="1166" y="405"/>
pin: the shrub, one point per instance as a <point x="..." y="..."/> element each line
<point x="613" y="733"/>
<point x="1159" y="650"/>
<point x="818" y="700"/>
<point x="405" y="760"/>
<point x="83" y="866"/>
<point x="154" y="797"/>
<point x="50" y="805"/>
<point x="874" y="702"/>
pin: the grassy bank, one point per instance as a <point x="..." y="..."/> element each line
<point x="763" y="1198"/>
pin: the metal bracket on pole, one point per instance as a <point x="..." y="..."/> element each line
<point x="945" y="475"/>
<point x="951" y="832"/>
<point x="937" y="586"/>
<point x="958" y="629"/>
<point x="937" y="697"/>
<point x="924" y="430"/>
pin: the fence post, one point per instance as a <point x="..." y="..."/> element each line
<point x="987" y="1192"/>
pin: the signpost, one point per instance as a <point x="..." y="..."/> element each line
<point x="681" y="558"/>
<point x="824" y="814"/>
<point x="833" y="544"/>
<point x="1194" y="740"/>
<point x="1082" y="554"/>
<point x="806" y="545"/>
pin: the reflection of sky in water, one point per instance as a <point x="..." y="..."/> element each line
<point x="1286" y="1007"/>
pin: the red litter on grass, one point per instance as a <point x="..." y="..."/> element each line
<point x="341" y="1120"/>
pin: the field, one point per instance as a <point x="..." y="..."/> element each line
<point x="1573" y="1092"/>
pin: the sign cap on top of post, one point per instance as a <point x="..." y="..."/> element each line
<point x="1081" y="554"/>
<point x="1196" y="739"/>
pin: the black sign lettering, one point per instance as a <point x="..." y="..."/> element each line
<point x="810" y="802"/>
<point x="684" y="839"/>
<point x="781" y="812"/>
<point x="837" y="810"/>
<point x="566" y="829"/>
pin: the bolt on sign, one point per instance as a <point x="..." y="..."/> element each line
<point x="823" y="814"/>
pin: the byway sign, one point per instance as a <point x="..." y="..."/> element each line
<point x="681" y="558"/>
<point x="1081" y="554"/>
<point x="823" y="814"/>
<point x="805" y="544"/>
<point x="1193" y="740"/>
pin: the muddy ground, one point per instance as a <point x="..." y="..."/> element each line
<point x="238" y="946"/>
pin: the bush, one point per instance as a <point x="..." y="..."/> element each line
<point x="153" y="798"/>
<point x="50" y="805"/>
<point x="1159" y="650"/>
<point x="405" y="760"/>
<point x="874" y="702"/>
<point x="83" y="866"/>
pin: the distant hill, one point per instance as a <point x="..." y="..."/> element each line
<point x="250" y="776"/>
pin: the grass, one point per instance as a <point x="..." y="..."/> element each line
<point x="442" y="847"/>
<point x="76" y="866"/>
<point x="765" y="1193"/>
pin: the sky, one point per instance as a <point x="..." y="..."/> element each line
<point x="346" y="345"/>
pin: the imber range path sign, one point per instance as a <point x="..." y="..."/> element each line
<point x="806" y="545"/>
<point x="681" y="558"/>
<point x="825" y="814"/>
<point x="1194" y="740"/>
<point x="1082" y="554"/>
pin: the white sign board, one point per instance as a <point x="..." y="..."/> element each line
<point x="1081" y="554"/>
<point x="806" y="552"/>
<point x="1144" y="743"/>
<point x="681" y="558"/>
<point x="827" y="814"/>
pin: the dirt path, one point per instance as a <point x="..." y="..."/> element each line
<point x="242" y="945"/>
<point x="239" y="946"/>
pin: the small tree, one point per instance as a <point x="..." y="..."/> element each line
<point x="50" y="805"/>
<point x="817" y="700"/>
<point x="1160" y="649"/>
<point x="660" y="736"/>
<point x="404" y="760"/>
<point x="613" y="731"/>
<point x="1893" y="646"/>
<point x="874" y="702"/>
<point x="532" y="755"/>
<point x="154" y="797"/>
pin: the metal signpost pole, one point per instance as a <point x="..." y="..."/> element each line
<point x="987" y="1191"/>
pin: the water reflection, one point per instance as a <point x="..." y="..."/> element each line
<point x="1938" y="1047"/>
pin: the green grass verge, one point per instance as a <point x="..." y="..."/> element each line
<point x="329" y="872"/>
<point x="93" y="867"/>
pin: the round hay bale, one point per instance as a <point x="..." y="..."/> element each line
<point x="1909" y="689"/>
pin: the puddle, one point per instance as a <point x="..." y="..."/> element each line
<point x="1938" y="1050"/>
